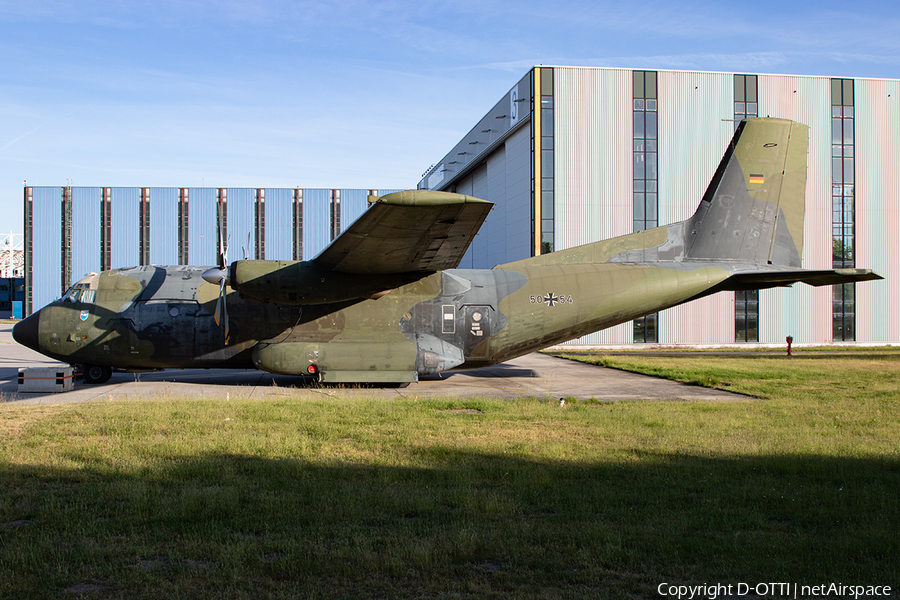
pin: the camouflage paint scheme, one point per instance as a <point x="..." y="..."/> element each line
<point x="384" y="303"/>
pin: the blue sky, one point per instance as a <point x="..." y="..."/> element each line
<point x="272" y="93"/>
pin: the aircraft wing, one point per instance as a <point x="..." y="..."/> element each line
<point x="415" y="230"/>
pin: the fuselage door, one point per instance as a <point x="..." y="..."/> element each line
<point x="477" y="331"/>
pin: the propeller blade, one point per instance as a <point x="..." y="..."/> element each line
<point x="221" y="313"/>
<point x="225" y="312"/>
<point x="218" y="312"/>
<point x="220" y="275"/>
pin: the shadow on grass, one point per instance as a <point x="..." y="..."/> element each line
<point x="463" y="526"/>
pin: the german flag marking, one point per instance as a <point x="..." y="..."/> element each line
<point x="754" y="178"/>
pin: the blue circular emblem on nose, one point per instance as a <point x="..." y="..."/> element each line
<point x="84" y="315"/>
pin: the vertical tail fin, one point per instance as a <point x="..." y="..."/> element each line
<point x="750" y="220"/>
<point x="754" y="207"/>
<point x="751" y="214"/>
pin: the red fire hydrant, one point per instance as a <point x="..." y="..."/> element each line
<point x="789" y="339"/>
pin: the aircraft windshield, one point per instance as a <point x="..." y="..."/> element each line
<point x="79" y="295"/>
<point x="83" y="291"/>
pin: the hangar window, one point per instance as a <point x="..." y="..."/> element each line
<point x="335" y="213"/>
<point x="746" y="303"/>
<point x="297" y="211"/>
<point x="746" y="99"/>
<point x="645" y="175"/>
<point x="746" y="316"/>
<point x="843" y="212"/>
<point x="545" y="140"/>
<point x="645" y="146"/>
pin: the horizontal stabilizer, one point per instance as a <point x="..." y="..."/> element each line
<point x="757" y="280"/>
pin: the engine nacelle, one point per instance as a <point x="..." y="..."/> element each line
<point x="348" y="361"/>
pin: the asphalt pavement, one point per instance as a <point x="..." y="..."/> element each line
<point x="534" y="375"/>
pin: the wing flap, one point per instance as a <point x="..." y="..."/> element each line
<point x="415" y="230"/>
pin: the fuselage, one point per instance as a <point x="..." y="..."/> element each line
<point x="155" y="317"/>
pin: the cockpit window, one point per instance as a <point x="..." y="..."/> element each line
<point x="83" y="291"/>
<point x="79" y="295"/>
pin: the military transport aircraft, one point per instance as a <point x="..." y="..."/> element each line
<point x="384" y="303"/>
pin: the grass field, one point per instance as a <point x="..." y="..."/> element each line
<point x="347" y="498"/>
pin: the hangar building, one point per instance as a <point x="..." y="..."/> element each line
<point x="72" y="231"/>
<point x="572" y="155"/>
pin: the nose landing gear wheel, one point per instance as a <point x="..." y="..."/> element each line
<point x="96" y="374"/>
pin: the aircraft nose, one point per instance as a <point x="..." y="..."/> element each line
<point x="26" y="331"/>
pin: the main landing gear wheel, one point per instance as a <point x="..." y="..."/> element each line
<point x="96" y="374"/>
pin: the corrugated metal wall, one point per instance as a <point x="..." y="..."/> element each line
<point x="279" y="224"/>
<point x="479" y="249"/>
<point x="85" y="231"/>
<point x="690" y="150"/>
<point x="203" y="231"/>
<point x="592" y="152"/>
<point x="504" y="179"/>
<point x="878" y="208"/>
<point x="202" y="228"/>
<point x="593" y="166"/>
<point x="593" y="183"/>
<point x="496" y="248"/>
<point x="46" y="257"/>
<point x="803" y="312"/>
<point x="316" y="221"/>
<point x="517" y="198"/>
<point x="164" y="226"/>
<point x="353" y="204"/>
<point x="125" y="238"/>
<point x="241" y="221"/>
<point x="464" y="186"/>
<point x="476" y="257"/>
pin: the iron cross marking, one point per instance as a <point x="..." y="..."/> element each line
<point x="551" y="300"/>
